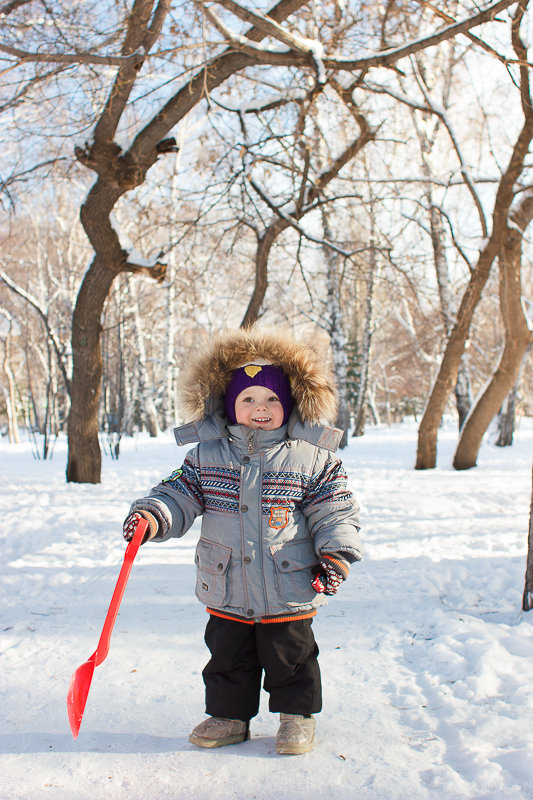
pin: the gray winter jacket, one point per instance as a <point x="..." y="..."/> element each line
<point x="271" y="503"/>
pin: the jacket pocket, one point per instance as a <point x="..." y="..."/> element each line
<point x="212" y="561"/>
<point x="294" y="563"/>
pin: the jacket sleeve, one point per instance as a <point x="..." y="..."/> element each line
<point x="332" y="511"/>
<point x="176" y="501"/>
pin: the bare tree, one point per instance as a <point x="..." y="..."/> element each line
<point x="492" y="247"/>
<point x="518" y="337"/>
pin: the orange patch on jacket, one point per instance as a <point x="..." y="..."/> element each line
<point x="279" y="517"/>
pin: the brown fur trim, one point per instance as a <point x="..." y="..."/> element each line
<point x="313" y="385"/>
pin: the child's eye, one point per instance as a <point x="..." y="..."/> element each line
<point x="274" y="399"/>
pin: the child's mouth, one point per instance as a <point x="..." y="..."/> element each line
<point x="261" y="420"/>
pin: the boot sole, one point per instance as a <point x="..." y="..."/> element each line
<point x="295" y="750"/>
<point x="203" y="742"/>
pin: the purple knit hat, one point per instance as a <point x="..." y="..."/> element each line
<point x="258" y="375"/>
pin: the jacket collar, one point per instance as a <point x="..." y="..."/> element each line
<point x="215" y="426"/>
<point x="253" y="440"/>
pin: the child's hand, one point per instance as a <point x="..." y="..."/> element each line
<point x="131" y="522"/>
<point x="330" y="574"/>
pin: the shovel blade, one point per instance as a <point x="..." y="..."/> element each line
<point x="78" y="690"/>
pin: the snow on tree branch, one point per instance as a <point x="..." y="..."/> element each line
<point x="269" y="27"/>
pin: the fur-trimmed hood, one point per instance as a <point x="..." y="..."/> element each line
<point x="312" y="383"/>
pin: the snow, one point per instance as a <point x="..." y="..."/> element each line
<point x="425" y="654"/>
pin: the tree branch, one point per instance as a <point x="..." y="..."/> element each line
<point x="7" y="8"/>
<point x="266" y="25"/>
<point x="238" y="41"/>
<point x="136" y="32"/>
<point x="156" y="25"/>
<point x="473" y="38"/>
<point x="388" y="58"/>
<point x="293" y="223"/>
<point x="429" y="107"/>
<point x="68" y="58"/>
<point x="211" y="75"/>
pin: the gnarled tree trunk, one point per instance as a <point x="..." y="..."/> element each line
<point x="517" y="339"/>
<point x="84" y="456"/>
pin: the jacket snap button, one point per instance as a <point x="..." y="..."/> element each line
<point x="220" y="566"/>
<point x="247" y="560"/>
<point x="244" y="508"/>
<point x="284" y="564"/>
<point x="250" y="612"/>
<point x="246" y="460"/>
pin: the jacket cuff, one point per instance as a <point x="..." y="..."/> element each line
<point x="153" y="524"/>
<point x="338" y="562"/>
<point x="157" y="522"/>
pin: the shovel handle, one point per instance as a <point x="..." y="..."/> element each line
<point x="131" y="551"/>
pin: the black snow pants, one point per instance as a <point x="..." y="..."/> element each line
<point x="286" y="651"/>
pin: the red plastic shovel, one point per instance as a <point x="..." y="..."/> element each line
<point x="80" y="682"/>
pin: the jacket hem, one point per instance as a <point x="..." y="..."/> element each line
<point x="263" y="620"/>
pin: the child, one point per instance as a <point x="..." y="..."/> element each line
<point x="276" y="512"/>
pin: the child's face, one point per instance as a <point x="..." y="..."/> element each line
<point x="259" y="407"/>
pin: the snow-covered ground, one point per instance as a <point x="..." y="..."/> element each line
<point x="425" y="654"/>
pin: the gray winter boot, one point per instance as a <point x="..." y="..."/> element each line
<point x="296" y="734"/>
<point x="219" y="731"/>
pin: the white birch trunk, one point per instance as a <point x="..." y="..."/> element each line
<point x="360" y="406"/>
<point x="10" y="393"/>
<point x="335" y="327"/>
<point x="148" y="409"/>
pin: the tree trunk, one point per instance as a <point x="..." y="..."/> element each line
<point x="426" y="456"/>
<point x="360" y="406"/>
<point x="447" y="376"/>
<point x="148" y="409"/>
<point x="517" y="340"/>
<point x="264" y="246"/>
<point x="84" y="456"/>
<point x="463" y="392"/>
<point x="506" y="419"/>
<point x="168" y="409"/>
<point x="527" y="599"/>
<point x="335" y="327"/>
<point x="10" y="394"/>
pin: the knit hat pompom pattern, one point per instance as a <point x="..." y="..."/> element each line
<point x="311" y="382"/>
